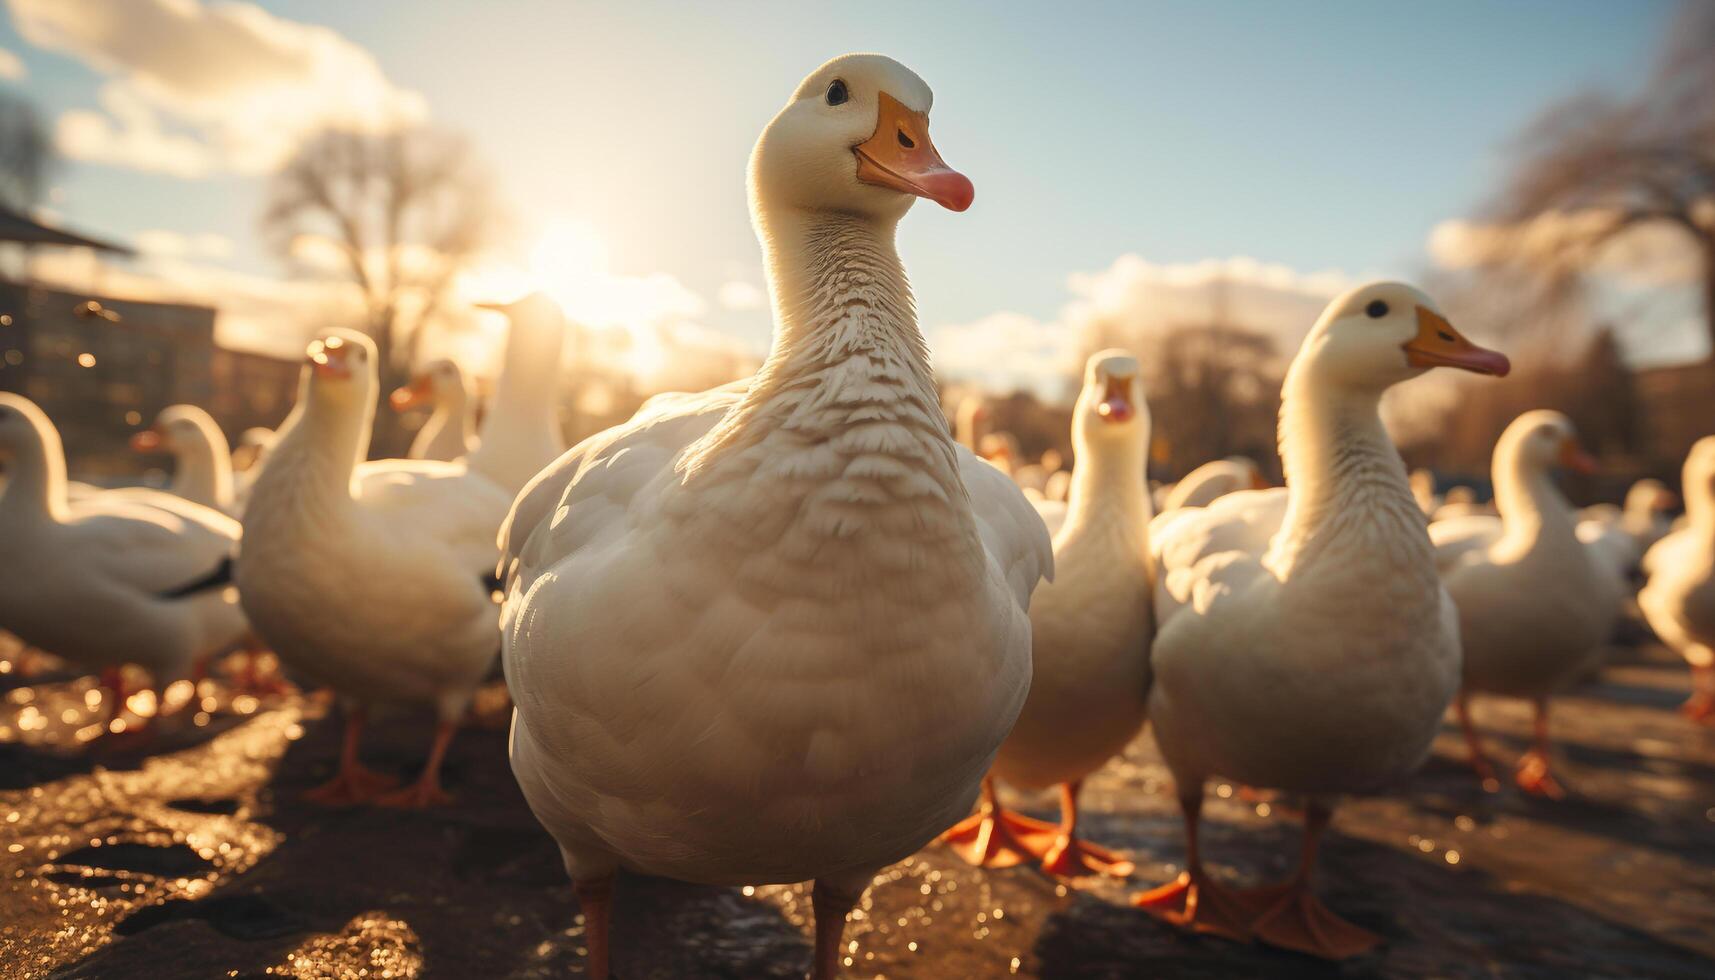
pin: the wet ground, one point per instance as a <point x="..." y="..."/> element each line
<point x="193" y="856"/>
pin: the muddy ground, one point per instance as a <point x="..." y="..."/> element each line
<point x="194" y="857"/>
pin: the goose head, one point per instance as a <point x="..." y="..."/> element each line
<point x="1649" y="497"/>
<point x="437" y="383"/>
<point x="1110" y="411"/>
<point x="1378" y="335"/>
<point x="1540" y="440"/>
<point x="340" y="366"/>
<point x="177" y="429"/>
<point x="854" y="139"/>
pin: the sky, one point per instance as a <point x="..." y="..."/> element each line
<point x="1113" y="146"/>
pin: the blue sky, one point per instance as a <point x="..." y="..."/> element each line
<point x="1326" y="136"/>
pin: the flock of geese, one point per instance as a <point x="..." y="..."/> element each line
<point x="790" y="629"/>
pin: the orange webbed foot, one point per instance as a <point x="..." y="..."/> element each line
<point x="999" y="838"/>
<point x="1534" y="777"/>
<point x="1292" y="918"/>
<point x="1070" y="857"/>
<point x="354" y="784"/>
<point x="1199" y="905"/>
<point x="1700" y="708"/>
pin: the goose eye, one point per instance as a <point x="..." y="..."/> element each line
<point x="1376" y="310"/>
<point x="837" y="94"/>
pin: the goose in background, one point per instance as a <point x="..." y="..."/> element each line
<point x="1303" y="641"/>
<point x="1623" y="534"/>
<point x="1205" y="484"/>
<point x="1536" y="606"/>
<point x="1091" y="629"/>
<point x="202" y="460"/>
<point x="375" y="579"/>
<point x="1679" y="599"/>
<point x="450" y="430"/>
<point x="112" y="579"/>
<point x="776" y="631"/>
<point x="520" y="433"/>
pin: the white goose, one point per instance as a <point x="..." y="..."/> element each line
<point x="1535" y="604"/>
<point x="114" y="578"/>
<point x="450" y="430"/>
<point x="1623" y="534"/>
<point x="1091" y="629"/>
<point x="776" y="631"/>
<point x="202" y="460"/>
<point x="1679" y="600"/>
<point x="520" y="433"/>
<point x="1303" y="640"/>
<point x="1205" y="484"/>
<point x="375" y="579"/>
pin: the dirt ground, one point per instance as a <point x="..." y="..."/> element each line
<point x="194" y="857"/>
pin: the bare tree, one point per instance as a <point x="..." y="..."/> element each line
<point x="405" y="210"/>
<point x="1617" y="165"/>
<point x="25" y="153"/>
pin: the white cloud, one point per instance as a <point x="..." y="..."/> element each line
<point x="1128" y="303"/>
<point x="11" y="66"/>
<point x="198" y="88"/>
<point x="741" y="296"/>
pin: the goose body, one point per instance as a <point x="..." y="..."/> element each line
<point x="113" y="578"/>
<point x="1679" y="598"/>
<point x="449" y="432"/>
<point x="1091" y="629"/>
<point x="1535" y="604"/>
<point x="776" y="631"/>
<point x="1303" y="639"/>
<point x="370" y="578"/>
<point x="1621" y="535"/>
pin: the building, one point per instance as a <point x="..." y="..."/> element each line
<point x="102" y="367"/>
<point x="1679" y="408"/>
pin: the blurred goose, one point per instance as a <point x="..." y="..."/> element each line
<point x="375" y="579"/>
<point x="115" y="578"/>
<point x="776" y="631"/>
<point x="1203" y="485"/>
<point x="1423" y="490"/>
<point x="1535" y="605"/>
<point x="450" y="430"/>
<point x="1679" y="600"/>
<point x="1623" y="534"/>
<point x="1303" y="640"/>
<point x="202" y="460"/>
<point x="1091" y="638"/>
<point x="520" y="432"/>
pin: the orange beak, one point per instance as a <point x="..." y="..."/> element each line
<point x="407" y="397"/>
<point x="1116" y="405"/>
<point x="1437" y="344"/>
<point x="899" y="156"/>
<point x="146" y="441"/>
<point x="1258" y="481"/>
<point x="329" y="358"/>
<point x="1574" y="458"/>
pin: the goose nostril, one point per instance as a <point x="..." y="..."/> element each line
<point x="1444" y="335"/>
<point x="906" y="141"/>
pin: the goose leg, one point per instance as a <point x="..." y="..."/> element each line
<point x="595" y="898"/>
<point x="1291" y="917"/>
<point x="1533" y="774"/>
<point x="1700" y="707"/>
<point x="832" y="903"/>
<point x="1194" y="901"/>
<point x="426" y="791"/>
<point x="353" y="783"/>
<point x="995" y="837"/>
<point x="1069" y="856"/>
<point x="1479" y="761"/>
